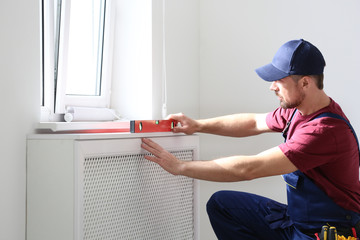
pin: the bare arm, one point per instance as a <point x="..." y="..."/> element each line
<point x="230" y="169"/>
<point x="237" y="125"/>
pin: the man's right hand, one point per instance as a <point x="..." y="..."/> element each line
<point x="187" y="125"/>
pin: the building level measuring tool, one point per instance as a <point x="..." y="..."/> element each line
<point x="143" y="126"/>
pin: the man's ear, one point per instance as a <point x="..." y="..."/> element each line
<point x="305" y="81"/>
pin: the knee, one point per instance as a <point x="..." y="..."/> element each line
<point x="214" y="205"/>
<point x="228" y="200"/>
<point x="218" y="201"/>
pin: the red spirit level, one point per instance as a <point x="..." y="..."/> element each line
<point x="141" y="126"/>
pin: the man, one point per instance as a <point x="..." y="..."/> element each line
<point x="319" y="159"/>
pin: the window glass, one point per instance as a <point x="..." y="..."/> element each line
<point x="85" y="45"/>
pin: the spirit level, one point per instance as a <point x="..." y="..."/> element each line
<point x="140" y="126"/>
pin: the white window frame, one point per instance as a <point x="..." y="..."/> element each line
<point x="56" y="101"/>
<point x="154" y="99"/>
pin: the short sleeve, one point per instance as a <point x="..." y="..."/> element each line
<point x="277" y="119"/>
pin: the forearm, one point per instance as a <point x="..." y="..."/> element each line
<point x="239" y="168"/>
<point x="237" y="125"/>
<point x="230" y="169"/>
<point x="220" y="170"/>
<point x="223" y="170"/>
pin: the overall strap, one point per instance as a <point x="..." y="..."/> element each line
<point x="286" y="129"/>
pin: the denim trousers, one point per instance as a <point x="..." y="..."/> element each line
<point x="245" y="216"/>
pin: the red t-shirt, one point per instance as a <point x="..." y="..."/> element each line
<point x="324" y="149"/>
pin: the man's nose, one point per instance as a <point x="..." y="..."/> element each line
<point x="273" y="86"/>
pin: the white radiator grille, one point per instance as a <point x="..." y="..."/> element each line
<point x="128" y="197"/>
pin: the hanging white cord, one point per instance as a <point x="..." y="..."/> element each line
<point x="164" y="89"/>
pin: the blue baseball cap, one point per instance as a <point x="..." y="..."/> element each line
<point x="296" y="57"/>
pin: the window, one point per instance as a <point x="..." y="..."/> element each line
<point x="74" y="56"/>
<point x="83" y="39"/>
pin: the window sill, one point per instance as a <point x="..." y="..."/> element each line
<point x="83" y="127"/>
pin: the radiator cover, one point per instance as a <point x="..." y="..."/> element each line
<point x="104" y="189"/>
<point x="128" y="197"/>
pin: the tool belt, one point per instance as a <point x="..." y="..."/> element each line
<point x="334" y="233"/>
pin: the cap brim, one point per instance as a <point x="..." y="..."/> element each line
<point x="270" y="73"/>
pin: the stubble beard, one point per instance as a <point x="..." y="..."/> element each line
<point x="294" y="104"/>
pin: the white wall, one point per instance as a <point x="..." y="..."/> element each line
<point x="182" y="53"/>
<point x="137" y="56"/>
<point x="213" y="47"/>
<point x="19" y="101"/>
<point x="238" y="36"/>
<point x="132" y="59"/>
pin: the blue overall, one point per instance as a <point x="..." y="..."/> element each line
<point x="238" y="215"/>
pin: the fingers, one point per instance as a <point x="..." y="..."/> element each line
<point x="151" y="158"/>
<point x="179" y="129"/>
<point x="160" y="156"/>
<point x="180" y="118"/>
<point x="184" y="123"/>
<point x="177" y="116"/>
<point x="150" y="146"/>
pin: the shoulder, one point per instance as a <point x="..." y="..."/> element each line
<point x="318" y="142"/>
<point x="277" y="119"/>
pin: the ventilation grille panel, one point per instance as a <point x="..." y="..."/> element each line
<point x="128" y="197"/>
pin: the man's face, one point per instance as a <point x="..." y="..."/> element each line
<point x="290" y="93"/>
